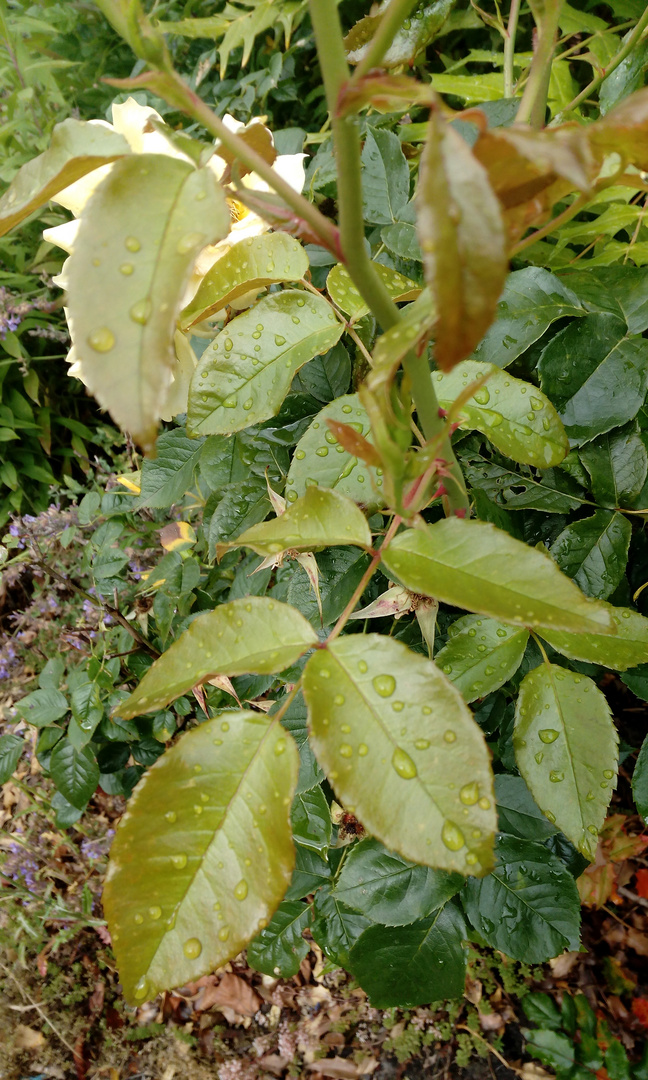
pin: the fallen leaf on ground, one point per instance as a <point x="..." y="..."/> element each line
<point x="232" y="992"/>
<point x="336" y="1067"/>
<point x="27" y="1038"/>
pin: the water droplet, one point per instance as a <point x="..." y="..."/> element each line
<point x="363" y="750"/>
<point x="224" y="726"/>
<point x="126" y="269"/>
<point x="322" y="451"/>
<point x="362" y="666"/>
<point x="189" y="242"/>
<point x="471" y="858"/>
<point x="241" y="890"/>
<point x="550" y="817"/>
<point x="347" y="409"/>
<point x="223" y="933"/>
<point x="422" y="744"/>
<point x="608" y="774"/>
<point x="139" y="919"/>
<point x="279" y="340"/>
<point x="484" y="803"/>
<point x="536" y="404"/>
<point x="603" y="784"/>
<point x="179" y="861"/>
<point x="279" y="747"/>
<point x="141" y="311"/>
<point x="131" y="243"/>
<point x="489" y="670"/>
<point x="556" y="776"/>
<point x="155" y="912"/>
<point x="539" y="757"/>
<point x="452" y="836"/>
<point x="384" y="685"/>
<point x="346" y="751"/>
<point x="548" y="735"/>
<point x="192" y="948"/>
<point x="482" y="396"/>
<point x="501" y="632"/>
<point x="141" y="989"/>
<point x="593" y="830"/>
<point x="295" y="319"/>
<point x="171" y="816"/>
<point x="101" y="340"/>
<point x="403" y="764"/>
<point x="469" y="794"/>
<point x="450" y="736"/>
<point x="325" y="673"/>
<point x="398" y="706"/>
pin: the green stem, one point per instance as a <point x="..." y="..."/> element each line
<point x="390" y="23"/>
<point x="608" y="69"/>
<point x="509" y="48"/>
<point x="335" y="72"/>
<point x="555" y="223"/>
<point x="534" y="100"/>
<point x="364" y="581"/>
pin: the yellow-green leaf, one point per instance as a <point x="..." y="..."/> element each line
<point x="203" y="855"/>
<point x="344" y="294"/>
<point x="137" y="242"/>
<point x="566" y="749"/>
<point x="254" y="634"/>
<point x="245" y="374"/>
<point x="321" y="518"/>
<point x="77" y="147"/>
<point x="251" y="264"/>
<point x="514" y="415"/>
<point x="481" y="655"/>
<point x="626" y="649"/>
<point x="402" y="751"/>
<point x="473" y="565"/>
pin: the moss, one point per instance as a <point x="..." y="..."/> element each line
<point x="406" y="1045"/>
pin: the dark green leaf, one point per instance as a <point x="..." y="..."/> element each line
<point x="280" y="947"/>
<point x="74" y="772"/>
<point x="385" y="176"/>
<point x="389" y="889"/>
<point x="312" y="870"/>
<point x="203" y="854"/>
<point x="42" y="707"/>
<point x="541" y="1009"/>
<point x="629" y="76"/>
<point x="400" y="238"/>
<point x="336" y="927"/>
<point x="594" y="552"/>
<point x="517" y="811"/>
<point x="618" y="289"/>
<point x="325" y="377"/>
<point x="528" y="907"/>
<point x="595" y="374"/>
<point x="167" y="477"/>
<point x="11" y="747"/>
<point x="311" y="819"/>
<point x="532" y="300"/>
<point x="617" y="463"/>
<point x="412" y="965"/>
<point x="552" y="491"/>
<point x="639" y="782"/>
<point x="243" y="505"/>
<point x="551" y="1048"/>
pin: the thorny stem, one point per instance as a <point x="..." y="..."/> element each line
<point x="509" y="47"/>
<point x="335" y="73"/>
<point x="364" y="581"/>
<point x="390" y="23"/>
<point x="534" y="100"/>
<point x="624" y="51"/>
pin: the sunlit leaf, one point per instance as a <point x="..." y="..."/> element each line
<point x="344" y="294"/>
<point x="481" y="655"/>
<point x="626" y="649"/>
<point x="320" y="518"/>
<point x="415" y="964"/>
<point x="203" y="855"/>
<point x="516" y="417"/>
<point x="320" y="459"/>
<point x="566" y="749"/>
<point x="251" y="264"/>
<point x="389" y="889"/>
<point x="402" y="751"/>
<point x="415" y="324"/>
<point x="254" y="634"/>
<point x="76" y="148"/>
<point x="529" y="906"/>
<point x="137" y="242"/>
<point x="473" y="565"/>
<point x="246" y="372"/>
<point x="462" y="238"/>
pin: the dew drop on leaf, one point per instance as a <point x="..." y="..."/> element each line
<point x="223" y="933"/>
<point x="192" y="948"/>
<point x="179" y="861"/>
<point x="155" y="912"/>
<point x="126" y="269"/>
<point x="608" y="774"/>
<point x="139" y="919"/>
<point x="279" y="340"/>
<point x="279" y="747"/>
<point x="363" y="750"/>
<point x="141" y="989"/>
<point x="556" y="776"/>
<point x="384" y="685"/>
<point x="452" y="836"/>
<point x="141" y="311"/>
<point x="131" y="243"/>
<point x="241" y="890"/>
<point x="101" y="340"/>
<point x="450" y="736"/>
<point x="403" y="764"/>
<point x="482" y="396"/>
<point x="548" y="735"/>
<point x="171" y="816"/>
<point x="346" y="750"/>
<point x="422" y="744"/>
<point x="469" y="794"/>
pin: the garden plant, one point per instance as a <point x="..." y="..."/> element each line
<point x="402" y="478"/>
